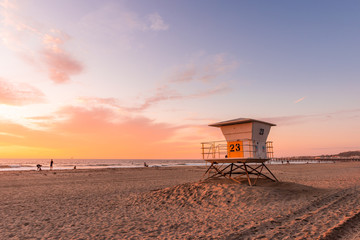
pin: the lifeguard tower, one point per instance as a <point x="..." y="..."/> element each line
<point x="244" y="152"/>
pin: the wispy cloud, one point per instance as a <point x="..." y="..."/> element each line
<point x="164" y="93"/>
<point x="211" y="68"/>
<point x="204" y="68"/>
<point x="7" y="4"/>
<point x="187" y="74"/>
<point x="157" y="23"/>
<point x="117" y="18"/>
<point x="91" y="101"/>
<point x="11" y="135"/>
<point x="297" y="119"/>
<point x="19" y="94"/>
<point x="299" y="100"/>
<point x="290" y="120"/>
<point x="114" y="20"/>
<point x="42" y="48"/>
<point x="222" y="88"/>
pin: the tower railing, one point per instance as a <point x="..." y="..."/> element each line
<point x="220" y="150"/>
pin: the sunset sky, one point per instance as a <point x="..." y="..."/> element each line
<point x="144" y="78"/>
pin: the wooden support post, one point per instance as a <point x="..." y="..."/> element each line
<point x="258" y="175"/>
<point x="247" y="174"/>
<point x="208" y="169"/>
<point x="229" y="168"/>
<point x="270" y="172"/>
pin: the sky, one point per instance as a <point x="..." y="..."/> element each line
<point x="143" y="79"/>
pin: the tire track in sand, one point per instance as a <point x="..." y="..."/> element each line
<point x="312" y="221"/>
<point x="349" y="229"/>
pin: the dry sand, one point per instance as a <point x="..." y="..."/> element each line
<point x="312" y="201"/>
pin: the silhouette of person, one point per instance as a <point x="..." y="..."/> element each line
<point x="38" y="167"/>
<point x="51" y="164"/>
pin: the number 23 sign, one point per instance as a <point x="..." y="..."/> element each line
<point x="235" y="149"/>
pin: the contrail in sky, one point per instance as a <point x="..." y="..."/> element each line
<point x="299" y="100"/>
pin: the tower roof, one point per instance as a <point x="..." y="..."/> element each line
<point x="238" y="121"/>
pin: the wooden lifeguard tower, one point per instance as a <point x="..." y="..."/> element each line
<point x="244" y="152"/>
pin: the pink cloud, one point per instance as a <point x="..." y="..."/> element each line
<point x="19" y="94"/>
<point x="162" y="94"/>
<point x="98" y="119"/>
<point x="91" y="101"/>
<point x="60" y="65"/>
<point x="186" y="75"/>
<point x="96" y="132"/>
<point x="213" y="91"/>
<point x="24" y="37"/>
<point x="103" y="132"/>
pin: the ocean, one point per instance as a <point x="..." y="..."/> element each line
<point x="62" y="164"/>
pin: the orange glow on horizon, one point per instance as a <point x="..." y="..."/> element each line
<point x="90" y="133"/>
<point x="93" y="133"/>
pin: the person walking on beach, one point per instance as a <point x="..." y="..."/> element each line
<point x="51" y="164"/>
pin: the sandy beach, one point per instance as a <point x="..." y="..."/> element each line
<point x="312" y="201"/>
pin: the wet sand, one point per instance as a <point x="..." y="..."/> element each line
<point x="312" y="201"/>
